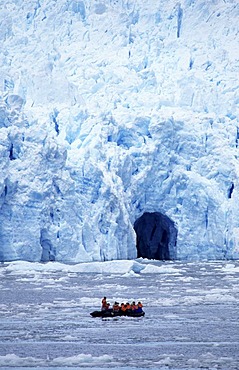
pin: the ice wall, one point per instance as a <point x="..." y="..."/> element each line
<point x="110" y="109"/>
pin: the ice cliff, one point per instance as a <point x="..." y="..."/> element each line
<point x="119" y="127"/>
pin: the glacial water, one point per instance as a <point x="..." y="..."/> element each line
<point x="191" y="319"/>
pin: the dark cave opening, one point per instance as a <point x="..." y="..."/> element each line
<point x="156" y="236"/>
<point x="48" y="251"/>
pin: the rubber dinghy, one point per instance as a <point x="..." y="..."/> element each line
<point x="110" y="313"/>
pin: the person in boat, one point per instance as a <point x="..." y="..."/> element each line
<point x="123" y="308"/>
<point x="104" y="304"/>
<point x="128" y="307"/>
<point x="140" y="307"/>
<point x="134" y="307"/>
<point x="116" y="307"/>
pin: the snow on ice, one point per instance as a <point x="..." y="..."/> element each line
<point x="111" y="110"/>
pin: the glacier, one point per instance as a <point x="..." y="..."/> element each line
<point x="119" y="130"/>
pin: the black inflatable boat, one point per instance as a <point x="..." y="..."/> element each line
<point x="111" y="313"/>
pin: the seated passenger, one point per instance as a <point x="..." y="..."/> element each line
<point x="128" y="306"/>
<point x="123" y="308"/>
<point x="140" y="307"/>
<point x="133" y="306"/>
<point x="116" y="307"/>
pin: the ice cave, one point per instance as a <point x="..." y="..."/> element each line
<point x="156" y="236"/>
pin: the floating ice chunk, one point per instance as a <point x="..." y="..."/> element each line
<point x="230" y="268"/>
<point x="151" y="269"/>
<point x="82" y="359"/>
<point x="14" y="360"/>
<point x="109" y="267"/>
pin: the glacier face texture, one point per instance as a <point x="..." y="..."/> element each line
<point x="119" y="130"/>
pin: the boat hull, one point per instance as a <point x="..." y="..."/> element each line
<point x="110" y="313"/>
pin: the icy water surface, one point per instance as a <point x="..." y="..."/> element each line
<point x="191" y="319"/>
